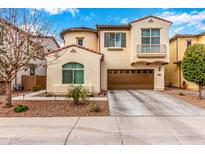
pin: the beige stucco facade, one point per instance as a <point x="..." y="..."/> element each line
<point x="114" y="58"/>
<point x="90" y="39"/>
<point x="90" y="60"/>
<point x="124" y="57"/>
<point x="173" y="71"/>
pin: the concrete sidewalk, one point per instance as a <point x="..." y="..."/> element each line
<point x="103" y="130"/>
<point x="32" y="97"/>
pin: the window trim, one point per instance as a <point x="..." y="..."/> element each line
<point x="79" y="38"/>
<point x="73" y="73"/>
<point x="150" y="45"/>
<point x="115" y="42"/>
<point x="32" y="69"/>
<point x="187" y="43"/>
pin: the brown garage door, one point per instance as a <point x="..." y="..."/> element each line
<point x="131" y="79"/>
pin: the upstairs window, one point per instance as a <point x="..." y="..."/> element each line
<point x="73" y="73"/>
<point x="188" y="43"/>
<point x="115" y="39"/>
<point x="150" y="39"/>
<point x="79" y="41"/>
<point x="32" y="69"/>
<point x="1" y="35"/>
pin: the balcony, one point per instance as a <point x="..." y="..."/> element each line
<point x="151" y="51"/>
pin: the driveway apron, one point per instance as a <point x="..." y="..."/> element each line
<point x="149" y="103"/>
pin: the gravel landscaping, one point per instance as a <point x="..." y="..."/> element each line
<point x="56" y="109"/>
<point x="185" y="95"/>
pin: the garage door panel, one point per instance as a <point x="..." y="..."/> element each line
<point x="130" y="79"/>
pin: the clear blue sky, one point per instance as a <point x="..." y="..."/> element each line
<point x="184" y="20"/>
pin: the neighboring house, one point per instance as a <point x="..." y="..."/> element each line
<point x="128" y="56"/>
<point x="38" y="66"/>
<point x="174" y="73"/>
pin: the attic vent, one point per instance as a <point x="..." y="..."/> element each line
<point x="150" y="20"/>
<point x="73" y="50"/>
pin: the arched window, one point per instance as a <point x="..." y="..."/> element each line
<point x="73" y="73"/>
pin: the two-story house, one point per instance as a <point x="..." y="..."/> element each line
<point x="173" y="71"/>
<point x="38" y="66"/>
<point x="129" y="56"/>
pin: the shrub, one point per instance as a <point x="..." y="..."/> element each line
<point x="77" y="93"/>
<point x="95" y="108"/>
<point x="182" y="94"/>
<point x="193" y="65"/>
<point x="20" y="108"/>
<point x="36" y="88"/>
<point x="49" y="94"/>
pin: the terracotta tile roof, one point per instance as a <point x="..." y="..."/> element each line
<point x="185" y="36"/>
<point x="110" y="26"/>
<point x="150" y="17"/>
<point x="74" y="29"/>
<point x="74" y="45"/>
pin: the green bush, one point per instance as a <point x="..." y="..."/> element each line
<point x="36" y="88"/>
<point x="20" y="108"/>
<point x="77" y="93"/>
<point x="95" y="108"/>
<point x="193" y="65"/>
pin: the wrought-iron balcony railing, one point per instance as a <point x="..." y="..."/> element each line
<point x="158" y="51"/>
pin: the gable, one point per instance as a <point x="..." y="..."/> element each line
<point x="150" y="21"/>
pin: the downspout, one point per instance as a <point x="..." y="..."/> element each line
<point x="101" y="57"/>
<point x="177" y="59"/>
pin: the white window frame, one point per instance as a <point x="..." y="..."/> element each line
<point x="115" y="42"/>
<point x="150" y="38"/>
<point x="79" y="38"/>
<point x="73" y="70"/>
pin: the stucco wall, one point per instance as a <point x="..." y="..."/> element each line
<point x="91" y="62"/>
<point x="122" y="58"/>
<point x="90" y="39"/>
<point x="173" y="72"/>
<point x="136" y="37"/>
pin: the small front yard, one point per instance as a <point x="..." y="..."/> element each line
<point x="57" y="109"/>
<point x="185" y="95"/>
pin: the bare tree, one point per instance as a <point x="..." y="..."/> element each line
<point x="22" y="39"/>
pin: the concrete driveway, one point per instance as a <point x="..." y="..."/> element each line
<point x="149" y="103"/>
<point x="138" y="117"/>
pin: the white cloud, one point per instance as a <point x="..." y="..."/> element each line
<point x="73" y="11"/>
<point x="54" y="11"/>
<point x="88" y="17"/>
<point x="201" y="26"/>
<point x="178" y="29"/>
<point x="193" y="19"/>
<point x="111" y="18"/>
<point x="124" y="21"/>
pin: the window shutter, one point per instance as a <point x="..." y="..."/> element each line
<point x="123" y="40"/>
<point x="106" y="39"/>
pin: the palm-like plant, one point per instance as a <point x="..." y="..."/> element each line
<point x="77" y="93"/>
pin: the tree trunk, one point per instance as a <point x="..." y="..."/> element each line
<point x="8" y="95"/>
<point x="199" y="91"/>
